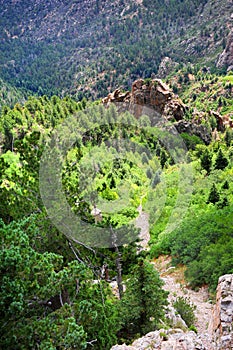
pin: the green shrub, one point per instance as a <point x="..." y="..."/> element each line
<point x="191" y="140"/>
<point x="193" y="328"/>
<point x="186" y="310"/>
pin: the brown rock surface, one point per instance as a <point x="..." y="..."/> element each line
<point x="153" y="98"/>
<point x="222" y="121"/>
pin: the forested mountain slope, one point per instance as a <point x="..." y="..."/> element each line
<point x="55" y="288"/>
<point x="89" y="47"/>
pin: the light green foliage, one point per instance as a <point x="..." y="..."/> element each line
<point x="186" y="310"/>
<point x="228" y="137"/>
<point x="207" y="227"/>
<point x="16" y="183"/>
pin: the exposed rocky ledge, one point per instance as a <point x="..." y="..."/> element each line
<point x="172" y="339"/>
<point x="221" y="326"/>
<point x="155" y="99"/>
<point x="151" y="97"/>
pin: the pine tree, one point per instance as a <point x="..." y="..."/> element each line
<point x="144" y="158"/>
<point x="149" y="173"/>
<point x="228" y="137"/>
<point x="225" y="186"/>
<point x="144" y="301"/>
<point x="156" y="180"/>
<point x="221" y="161"/>
<point x="206" y="161"/>
<point x="163" y="158"/>
<point x="213" y="195"/>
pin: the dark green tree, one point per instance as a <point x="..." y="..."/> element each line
<point x="206" y="161"/>
<point x="221" y="161"/>
<point x="228" y="137"/>
<point x="156" y="180"/>
<point x="144" y="301"/>
<point x="144" y="158"/>
<point x="149" y="173"/>
<point x="163" y="158"/>
<point x="46" y="304"/>
<point x="213" y="195"/>
<point x="225" y="186"/>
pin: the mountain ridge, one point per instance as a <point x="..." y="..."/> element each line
<point x="88" y="48"/>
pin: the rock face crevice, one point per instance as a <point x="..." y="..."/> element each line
<point x="221" y="326"/>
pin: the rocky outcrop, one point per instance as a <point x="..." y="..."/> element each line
<point x="218" y="337"/>
<point x="151" y="97"/>
<point x="155" y="99"/>
<point x="222" y="121"/>
<point x="154" y="94"/>
<point x="174" y="319"/>
<point x="226" y="57"/>
<point x="221" y="326"/>
<point x="194" y="129"/>
<point x="117" y="96"/>
<point x="172" y="339"/>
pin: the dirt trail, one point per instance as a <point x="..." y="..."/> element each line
<point x="142" y="222"/>
<point x="175" y="284"/>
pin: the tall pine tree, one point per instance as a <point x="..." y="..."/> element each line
<point x="144" y="300"/>
<point x="221" y="161"/>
